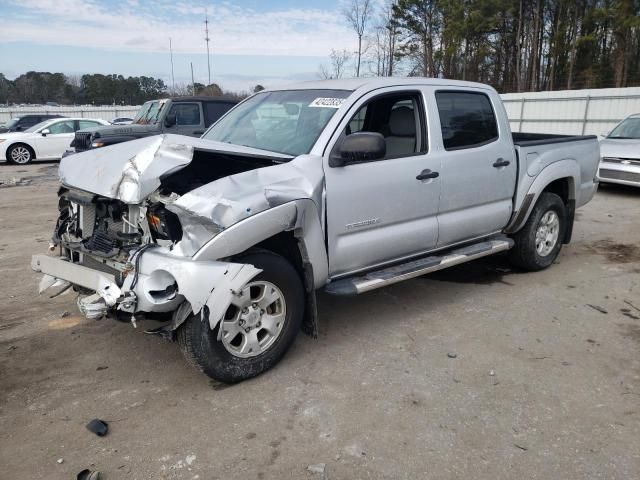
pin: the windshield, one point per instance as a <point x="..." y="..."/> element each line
<point x="286" y="122"/>
<point x="629" y="128"/>
<point x="37" y="126"/>
<point x="12" y="123"/>
<point x="149" y="112"/>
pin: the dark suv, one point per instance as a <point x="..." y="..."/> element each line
<point x="180" y="115"/>
<point x="19" y="124"/>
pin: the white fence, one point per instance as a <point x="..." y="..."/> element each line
<point x="83" y="111"/>
<point x="572" y="112"/>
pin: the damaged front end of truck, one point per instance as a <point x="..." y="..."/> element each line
<point x="153" y="226"/>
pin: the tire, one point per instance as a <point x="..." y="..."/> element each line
<point x="233" y="358"/>
<point x="536" y="248"/>
<point x="20" y="154"/>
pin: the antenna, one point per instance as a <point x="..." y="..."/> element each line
<point x="173" y="80"/>
<point x="206" y="39"/>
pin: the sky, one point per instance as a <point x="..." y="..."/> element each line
<point x="252" y="41"/>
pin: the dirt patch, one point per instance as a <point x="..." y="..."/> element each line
<point x="632" y="331"/>
<point x="616" y="252"/>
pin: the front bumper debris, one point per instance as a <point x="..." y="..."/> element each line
<point x="162" y="283"/>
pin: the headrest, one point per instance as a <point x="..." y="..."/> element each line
<point x="402" y="122"/>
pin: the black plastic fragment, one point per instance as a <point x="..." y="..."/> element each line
<point x="87" y="474"/>
<point x="99" y="427"/>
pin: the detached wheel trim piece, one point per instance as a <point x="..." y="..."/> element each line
<point x="255" y="320"/>
<point x="547" y="233"/>
<point x="20" y="154"/>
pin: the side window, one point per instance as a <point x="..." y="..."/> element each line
<point x="466" y="118"/>
<point x="186" y="113"/>
<point x="397" y="117"/>
<point x="61" y="127"/>
<point x="214" y="110"/>
<point x="82" y="124"/>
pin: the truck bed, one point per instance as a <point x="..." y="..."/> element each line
<point x="523" y="139"/>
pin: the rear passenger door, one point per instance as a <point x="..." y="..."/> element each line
<point x="478" y="172"/>
<point x="189" y="119"/>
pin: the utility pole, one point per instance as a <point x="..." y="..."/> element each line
<point x="193" y="82"/>
<point x="173" y="80"/>
<point x="206" y="39"/>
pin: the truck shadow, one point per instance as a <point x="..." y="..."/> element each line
<point x="613" y="189"/>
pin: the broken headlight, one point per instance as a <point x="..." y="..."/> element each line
<point x="164" y="225"/>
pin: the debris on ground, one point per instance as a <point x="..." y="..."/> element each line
<point x="87" y="474"/>
<point x="15" y="182"/>
<point x="99" y="427"/>
<point x="492" y="373"/>
<point x="65" y="314"/>
<point x="597" y="308"/>
<point x="317" y="468"/>
<point x="452" y="355"/>
<point x="520" y="447"/>
<point x="60" y="461"/>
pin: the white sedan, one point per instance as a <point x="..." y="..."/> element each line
<point x="45" y="141"/>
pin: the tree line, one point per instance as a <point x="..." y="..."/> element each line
<point x="98" y="89"/>
<point x="513" y="45"/>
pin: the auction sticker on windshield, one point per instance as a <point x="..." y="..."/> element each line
<point x="327" y="102"/>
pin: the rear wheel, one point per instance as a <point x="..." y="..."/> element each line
<point x="257" y="329"/>
<point x="20" y="154"/>
<point x="538" y="243"/>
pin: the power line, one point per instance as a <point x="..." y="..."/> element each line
<point x="173" y="80"/>
<point x="206" y="39"/>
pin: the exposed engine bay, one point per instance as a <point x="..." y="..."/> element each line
<point x="97" y="231"/>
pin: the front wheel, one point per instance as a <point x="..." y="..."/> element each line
<point x="257" y="329"/>
<point x="538" y="243"/>
<point x="20" y="154"/>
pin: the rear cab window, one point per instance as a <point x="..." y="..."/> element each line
<point x="186" y="113"/>
<point x="467" y="119"/>
<point x="214" y="110"/>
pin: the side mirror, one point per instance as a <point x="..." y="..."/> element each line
<point x="170" y="120"/>
<point x="45" y="132"/>
<point x="19" y="128"/>
<point x="359" y="147"/>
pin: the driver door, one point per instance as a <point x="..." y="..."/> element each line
<point x="378" y="211"/>
<point x="53" y="144"/>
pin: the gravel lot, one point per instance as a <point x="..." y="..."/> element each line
<point x="545" y="383"/>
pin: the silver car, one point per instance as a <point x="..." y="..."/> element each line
<point x="620" y="151"/>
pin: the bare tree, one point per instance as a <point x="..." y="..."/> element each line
<point x="382" y="42"/>
<point x="358" y="13"/>
<point x="338" y="65"/>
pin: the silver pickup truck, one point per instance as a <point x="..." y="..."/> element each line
<point x="341" y="185"/>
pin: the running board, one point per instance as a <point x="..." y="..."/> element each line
<point x="416" y="268"/>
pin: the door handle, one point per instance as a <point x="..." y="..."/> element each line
<point x="501" y="162"/>
<point x="198" y="132"/>
<point x="427" y="174"/>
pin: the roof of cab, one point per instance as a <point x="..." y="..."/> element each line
<point x="372" y="83"/>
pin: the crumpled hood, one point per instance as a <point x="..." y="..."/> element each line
<point x="622" y="148"/>
<point x="131" y="171"/>
<point x="236" y="197"/>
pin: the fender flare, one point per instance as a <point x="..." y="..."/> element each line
<point x="300" y="215"/>
<point x="567" y="168"/>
